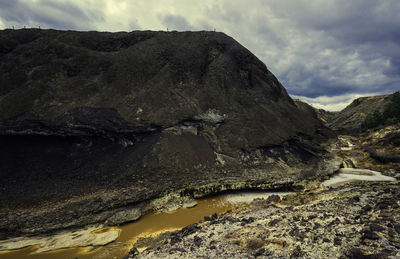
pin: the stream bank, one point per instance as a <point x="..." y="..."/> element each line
<point x="357" y="220"/>
<point x="115" y="242"/>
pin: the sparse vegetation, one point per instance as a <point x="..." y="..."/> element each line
<point x="389" y="116"/>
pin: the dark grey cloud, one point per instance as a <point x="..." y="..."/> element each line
<point x="316" y="48"/>
<point x="47" y="14"/>
<point x="321" y="48"/>
<point x="364" y="31"/>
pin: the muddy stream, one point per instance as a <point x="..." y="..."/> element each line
<point x="149" y="225"/>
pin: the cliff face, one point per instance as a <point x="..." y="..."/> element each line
<point x="83" y="112"/>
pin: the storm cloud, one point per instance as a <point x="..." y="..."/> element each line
<point x="326" y="52"/>
<point x="49" y="14"/>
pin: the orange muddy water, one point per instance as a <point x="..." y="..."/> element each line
<point x="148" y="225"/>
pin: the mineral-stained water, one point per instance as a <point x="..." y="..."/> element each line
<point x="147" y="226"/>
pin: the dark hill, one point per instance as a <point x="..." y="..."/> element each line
<point x="144" y="114"/>
<point x="151" y="79"/>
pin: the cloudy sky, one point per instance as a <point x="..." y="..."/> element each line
<point x="326" y="52"/>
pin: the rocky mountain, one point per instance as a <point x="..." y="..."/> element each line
<point x="96" y="125"/>
<point x="350" y="118"/>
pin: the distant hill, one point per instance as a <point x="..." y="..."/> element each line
<point x="324" y="115"/>
<point x="350" y="118"/>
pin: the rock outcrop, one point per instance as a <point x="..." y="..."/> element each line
<point x="94" y="122"/>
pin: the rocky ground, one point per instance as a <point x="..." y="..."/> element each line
<point x="355" y="220"/>
<point x="375" y="150"/>
<point x="352" y="220"/>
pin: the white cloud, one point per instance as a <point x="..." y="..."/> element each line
<point x="2" y="26"/>
<point x="331" y="103"/>
<point x="149" y="14"/>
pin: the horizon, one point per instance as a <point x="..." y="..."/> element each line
<point x="325" y="53"/>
